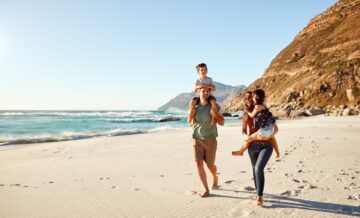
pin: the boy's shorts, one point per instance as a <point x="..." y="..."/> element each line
<point x="205" y="150"/>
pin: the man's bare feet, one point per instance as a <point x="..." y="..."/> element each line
<point x="215" y="185"/>
<point x="205" y="194"/>
<point x="238" y="153"/>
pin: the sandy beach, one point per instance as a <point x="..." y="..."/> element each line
<point x="154" y="175"/>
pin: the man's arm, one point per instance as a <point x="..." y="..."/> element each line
<point x="191" y="117"/>
<point x="220" y="119"/>
<point x="244" y="124"/>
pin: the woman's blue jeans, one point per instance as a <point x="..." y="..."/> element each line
<point x="260" y="153"/>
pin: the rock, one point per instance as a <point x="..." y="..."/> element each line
<point x="347" y="112"/>
<point x="315" y="111"/>
<point x="226" y="114"/>
<point x="282" y="112"/>
<point x="292" y="96"/>
<point x="354" y="197"/>
<point x="169" y="119"/>
<point x="350" y="94"/>
<point x="324" y="87"/>
<point x="297" y="113"/>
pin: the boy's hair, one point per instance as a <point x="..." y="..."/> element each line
<point x="260" y="96"/>
<point x="201" y="65"/>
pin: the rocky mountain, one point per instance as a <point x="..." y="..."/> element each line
<point x="319" y="68"/>
<point x="224" y="93"/>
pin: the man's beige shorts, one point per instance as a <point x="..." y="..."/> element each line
<point x="205" y="150"/>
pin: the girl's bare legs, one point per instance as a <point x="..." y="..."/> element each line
<point x="276" y="147"/>
<point x="254" y="136"/>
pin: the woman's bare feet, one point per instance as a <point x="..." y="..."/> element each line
<point x="260" y="201"/>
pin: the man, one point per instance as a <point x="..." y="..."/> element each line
<point x="204" y="139"/>
<point x="259" y="151"/>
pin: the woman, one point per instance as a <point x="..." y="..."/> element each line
<point x="259" y="151"/>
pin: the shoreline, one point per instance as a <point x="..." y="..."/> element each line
<point x="154" y="175"/>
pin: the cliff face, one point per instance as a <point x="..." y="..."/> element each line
<point x="320" y="67"/>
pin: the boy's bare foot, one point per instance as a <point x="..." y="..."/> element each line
<point x="238" y="153"/>
<point x="205" y="194"/>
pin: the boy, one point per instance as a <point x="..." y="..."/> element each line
<point x="203" y="80"/>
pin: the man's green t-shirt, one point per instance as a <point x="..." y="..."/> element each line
<point x="202" y="127"/>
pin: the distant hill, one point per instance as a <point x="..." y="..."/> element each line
<point x="319" y="68"/>
<point x="224" y="93"/>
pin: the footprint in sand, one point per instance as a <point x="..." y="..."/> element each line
<point x="309" y="186"/>
<point x="51" y="182"/>
<point x="239" y="212"/>
<point x="286" y="193"/>
<point x="135" y="189"/>
<point x="191" y="192"/>
<point x="229" y="181"/>
<point x="249" y="188"/>
<point x="296" y="180"/>
<point x="162" y="176"/>
<point x="15" y="184"/>
<point x="2" y="184"/>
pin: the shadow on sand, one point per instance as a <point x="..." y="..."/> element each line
<point x="275" y="201"/>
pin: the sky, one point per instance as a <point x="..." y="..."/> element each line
<point x="136" y="54"/>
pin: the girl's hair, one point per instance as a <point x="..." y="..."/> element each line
<point x="260" y="96"/>
<point x="200" y="66"/>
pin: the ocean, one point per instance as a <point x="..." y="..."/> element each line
<point x="24" y="127"/>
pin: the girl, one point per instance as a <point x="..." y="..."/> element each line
<point x="264" y="121"/>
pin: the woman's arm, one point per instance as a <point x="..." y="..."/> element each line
<point x="255" y="111"/>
